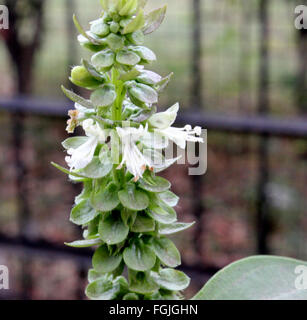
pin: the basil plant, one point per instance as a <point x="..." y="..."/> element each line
<point x="125" y="209"/>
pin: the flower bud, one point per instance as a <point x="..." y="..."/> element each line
<point x="81" y="78"/>
<point x="114" y="27"/>
<point x="99" y="28"/>
<point x="136" y="37"/>
<point x="129" y="8"/>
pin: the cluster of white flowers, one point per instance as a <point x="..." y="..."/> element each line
<point x="137" y="144"/>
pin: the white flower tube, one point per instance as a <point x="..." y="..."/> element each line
<point x="133" y="158"/>
<point x="83" y="155"/>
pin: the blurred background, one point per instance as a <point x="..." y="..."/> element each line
<point x="240" y="71"/>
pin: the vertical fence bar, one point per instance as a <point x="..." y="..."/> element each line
<point x="18" y="128"/>
<point x="263" y="148"/>
<point x="197" y="103"/>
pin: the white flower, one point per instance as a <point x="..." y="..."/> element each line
<point x="182" y="135"/>
<point x="133" y="158"/>
<point x="162" y="122"/>
<point x="83" y="155"/>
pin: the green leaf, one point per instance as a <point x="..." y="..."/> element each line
<point x="103" y="59"/>
<point x="132" y="74"/>
<point x="142" y="283"/>
<point x="82" y="78"/>
<point x="92" y="71"/>
<point x="149" y="77"/>
<point x="94" y="275"/>
<point x="103" y="97"/>
<point x="106" y="199"/>
<point x="112" y="229"/>
<point x="129" y="8"/>
<point x="74" y="142"/>
<point x="104" y="262"/>
<point x="136" y="24"/>
<point x="162" y="213"/>
<point x="161" y="85"/>
<point x="256" y="278"/>
<point x="137" y="38"/>
<point x="84" y="243"/>
<point x="115" y="42"/>
<point x="166" y="251"/>
<point x="154" y="183"/>
<point x="139" y="256"/>
<point x="83" y="213"/>
<point x="171" y="279"/>
<point x="83" y="33"/>
<point x="131" y="296"/>
<point x="127" y="57"/>
<point x="169" y="198"/>
<point x="70" y="173"/>
<point x="95" y="169"/>
<point x="145" y="53"/>
<point x="133" y="199"/>
<point x="143" y="223"/>
<point x="105" y="289"/>
<point x="76" y="98"/>
<point x="143" y="115"/>
<point x="167" y="229"/>
<point x="154" y="19"/>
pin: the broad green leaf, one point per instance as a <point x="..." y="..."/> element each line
<point x="162" y="213"/>
<point x="106" y="199"/>
<point x="74" y="142"/>
<point x="154" y="19"/>
<point x="143" y="223"/>
<point x="100" y="28"/>
<point x="127" y="57"/>
<point x="83" y="213"/>
<point x="139" y="256"/>
<point x="143" y="93"/>
<point x="145" y="53"/>
<point x="103" y="97"/>
<point x="136" y="24"/>
<point x="84" y="243"/>
<point x="171" y="279"/>
<point x="257" y="278"/>
<point x="175" y="227"/>
<point x="103" y="262"/>
<point x="86" y="192"/>
<point x="166" y="251"/>
<point x="154" y="183"/>
<point x="76" y="98"/>
<point x="95" y="169"/>
<point x="142" y="283"/>
<point x="103" y="59"/>
<point x="169" y="198"/>
<point x="112" y="229"/>
<point x="133" y="199"/>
